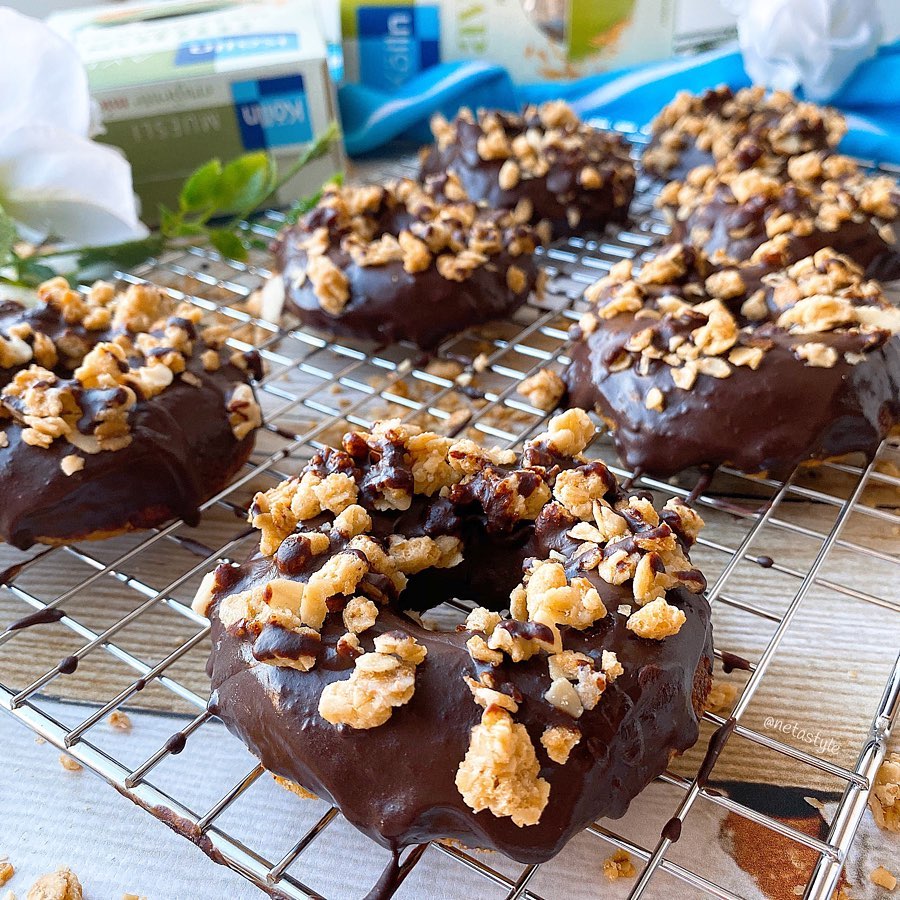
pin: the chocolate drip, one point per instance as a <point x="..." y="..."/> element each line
<point x="175" y="743"/>
<point x="388" y="881"/>
<point x="731" y="661"/>
<point x="41" y="617"/>
<point x="765" y="561"/>
<point x="672" y="830"/>
<point x="714" y="750"/>
<point x="67" y="665"/>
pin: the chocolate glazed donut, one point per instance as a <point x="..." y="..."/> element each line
<point x="827" y="202"/>
<point x="736" y="131"/>
<point x="511" y="733"/>
<point x="567" y="176"/>
<point x="758" y="369"/>
<point x="392" y="264"/>
<point x="116" y="413"/>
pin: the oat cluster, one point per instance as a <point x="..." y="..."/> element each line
<point x="747" y="129"/>
<point x="117" y="349"/>
<point x="318" y="530"/>
<point x="400" y="223"/>
<point x="698" y="320"/>
<point x="531" y="144"/>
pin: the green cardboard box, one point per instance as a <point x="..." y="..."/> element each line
<point x="182" y="81"/>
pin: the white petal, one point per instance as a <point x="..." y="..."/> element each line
<point x="59" y="184"/>
<point x="42" y="76"/>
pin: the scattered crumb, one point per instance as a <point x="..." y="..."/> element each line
<point x="721" y="697"/>
<point x="480" y="363"/>
<point x="884" y="801"/>
<point x="69" y="764"/>
<point x="62" y="884"/>
<point x="133" y="897"/>
<point x="883" y="878"/>
<point x="119" y="720"/>
<point x="543" y="390"/>
<point x="39" y="740"/>
<point x="619" y="865"/>
<point x="7" y="870"/>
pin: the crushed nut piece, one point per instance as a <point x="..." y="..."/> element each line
<point x="379" y="682"/>
<point x="559" y="742"/>
<point x="543" y="390"/>
<point x="62" y="884"/>
<point x="656" y="620"/>
<point x="883" y="878"/>
<point x="119" y="720"/>
<point x="71" y="464"/>
<point x="884" y="801"/>
<point x="69" y="764"/>
<point x="619" y="865"/>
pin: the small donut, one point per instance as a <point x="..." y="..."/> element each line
<point x="825" y="200"/>
<point x="517" y="729"/>
<point x="737" y="131"/>
<point x="756" y="368"/>
<point x="390" y="263"/>
<point x="117" y="412"/>
<point x="567" y="176"/>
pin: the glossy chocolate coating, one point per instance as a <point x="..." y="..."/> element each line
<point x="395" y="782"/>
<point x="385" y="302"/>
<point x="722" y="218"/>
<point x="388" y="304"/>
<point x="552" y="195"/>
<point x="763" y="420"/>
<point x="182" y="452"/>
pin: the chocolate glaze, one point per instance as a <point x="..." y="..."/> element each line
<point x="40" y="617"/>
<point x="767" y="420"/>
<point x="552" y="195"/>
<point x="396" y="782"/>
<point x="857" y="238"/>
<point x="388" y="304"/>
<point x="182" y="452"/>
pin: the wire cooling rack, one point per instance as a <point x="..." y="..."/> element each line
<point x="830" y="536"/>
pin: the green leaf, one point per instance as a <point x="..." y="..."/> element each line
<point x="8" y="236"/>
<point x="202" y="189"/>
<point x="244" y="184"/>
<point x="228" y="243"/>
<point x="122" y="256"/>
<point x="31" y="273"/>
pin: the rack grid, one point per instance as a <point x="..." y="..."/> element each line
<point x="314" y="388"/>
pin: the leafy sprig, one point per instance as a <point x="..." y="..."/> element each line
<point x="213" y="204"/>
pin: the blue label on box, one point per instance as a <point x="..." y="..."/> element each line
<point x="396" y="42"/>
<point x="207" y="50"/>
<point x="272" y="112"/>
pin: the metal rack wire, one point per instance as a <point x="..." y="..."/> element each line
<point x="313" y="389"/>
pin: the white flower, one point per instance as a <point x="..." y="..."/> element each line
<point x="55" y="181"/>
